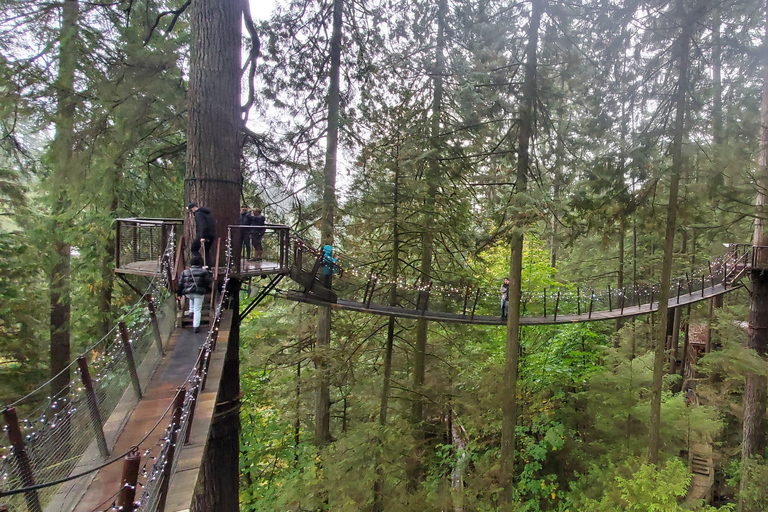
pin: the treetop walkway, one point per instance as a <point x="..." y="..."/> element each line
<point x="130" y="430"/>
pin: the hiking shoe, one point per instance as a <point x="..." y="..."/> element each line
<point x="197" y="329"/>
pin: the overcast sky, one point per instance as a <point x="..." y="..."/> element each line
<point x="261" y="9"/>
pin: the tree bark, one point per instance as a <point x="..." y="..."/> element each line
<point x="669" y="237"/>
<point x="62" y="151"/>
<point x="754" y="436"/>
<point x="427" y="247"/>
<point x="323" y="397"/>
<point x="213" y="177"/>
<point x="509" y="387"/>
<point x="218" y="483"/>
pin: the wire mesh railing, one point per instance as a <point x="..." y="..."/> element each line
<point x="369" y="285"/>
<point x="49" y="432"/>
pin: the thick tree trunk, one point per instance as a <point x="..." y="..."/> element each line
<point x="61" y="162"/>
<point x="509" y="387"/>
<point x="669" y="237"/>
<point x="754" y="435"/>
<point x="218" y="483"/>
<point x="213" y="177"/>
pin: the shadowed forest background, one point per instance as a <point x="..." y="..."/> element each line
<point x="592" y="147"/>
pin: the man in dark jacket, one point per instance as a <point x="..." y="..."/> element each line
<point x="205" y="230"/>
<point x="245" y="233"/>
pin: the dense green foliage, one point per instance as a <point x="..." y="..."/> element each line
<point x="593" y="215"/>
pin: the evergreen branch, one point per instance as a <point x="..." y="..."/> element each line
<point x="176" y="13"/>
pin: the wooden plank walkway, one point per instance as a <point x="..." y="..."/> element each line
<point x="133" y="421"/>
<point x="644" y="309"/>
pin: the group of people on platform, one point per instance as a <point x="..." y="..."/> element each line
<point x="252" y="236"/>
<point x="197" y="281"/>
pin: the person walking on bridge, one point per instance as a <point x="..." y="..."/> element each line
<point x="205" y="230"/>
<point x="194" y="284"/>
<point x="504" y="298"/>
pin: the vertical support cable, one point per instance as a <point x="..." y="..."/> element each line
<point x="93" y="407"/>
<point x="22" y="459"/>
<point x="155" y="325"/>
<point x="131" y="362"/>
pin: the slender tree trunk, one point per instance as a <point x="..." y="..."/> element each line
<point x="378" y="488"/>
<point x="106" y="317"/>
<point x="62" y="155"/>
<point x="754" y="435"/>
<point x="323" y="398"/>
<point x="509" y="386"/>
<point x="433" y="178"/>
<point x="620" y="274"/>
<point x="669" y="238"/>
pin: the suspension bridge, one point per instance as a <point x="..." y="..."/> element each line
<point x="137" y="425"/>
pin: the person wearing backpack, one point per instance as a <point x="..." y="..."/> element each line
<point x="194" y="283"/>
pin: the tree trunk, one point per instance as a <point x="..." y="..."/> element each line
<point x="754" y="437"/>
<point x="218" y="483"/>
<point x="323" y="397"/>
<point x="669" y="237"/>
<point x="213" y="177"/>
<point x="61" y="162"/>
<point x="433" y="178"/>
<point x="620" y="275"/>
<point x="509" y="387"/>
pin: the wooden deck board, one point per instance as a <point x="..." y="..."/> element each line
<point x="172" y="371"/>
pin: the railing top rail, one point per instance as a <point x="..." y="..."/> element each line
<point x="158" y="220"/>
<point x="267" y="226"/>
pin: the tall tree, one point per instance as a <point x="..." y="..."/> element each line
<point x="213" y="178"/>
<point x="323" y="401"/>
<point x="525" y="133"/>
<point x="687" y="19"/>
<point x="754" y="427"/>
<point x="62" y="150"/>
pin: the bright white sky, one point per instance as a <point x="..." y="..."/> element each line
<point x="261" y="9"/>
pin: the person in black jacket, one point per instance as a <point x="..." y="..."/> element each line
<point x="257" y="219"/>
<point x="205" y="230"/>
<point x="194" y="283"/>
<point x="245" y="220"/>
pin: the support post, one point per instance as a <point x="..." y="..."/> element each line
<point x="466" y="298"/>
<point x="477" y="296"/>
<point x="545" y="303"/>
<point x="93" y="407"/>
<point x="155" y="324"/>
<point x="178" y="405"/>
<point x="591" y="302"/>
<point x="129" y="358"/>
<point x="131" y="464"/>
<point x="22" y="459"/>
<point x="678" y="292"/>
<point x="702" y="285"/>
<point x="578" y="301"/>
<point x="557" y="304"/>
<point x="610" y="304"/>
<point x="373" y="281"/>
